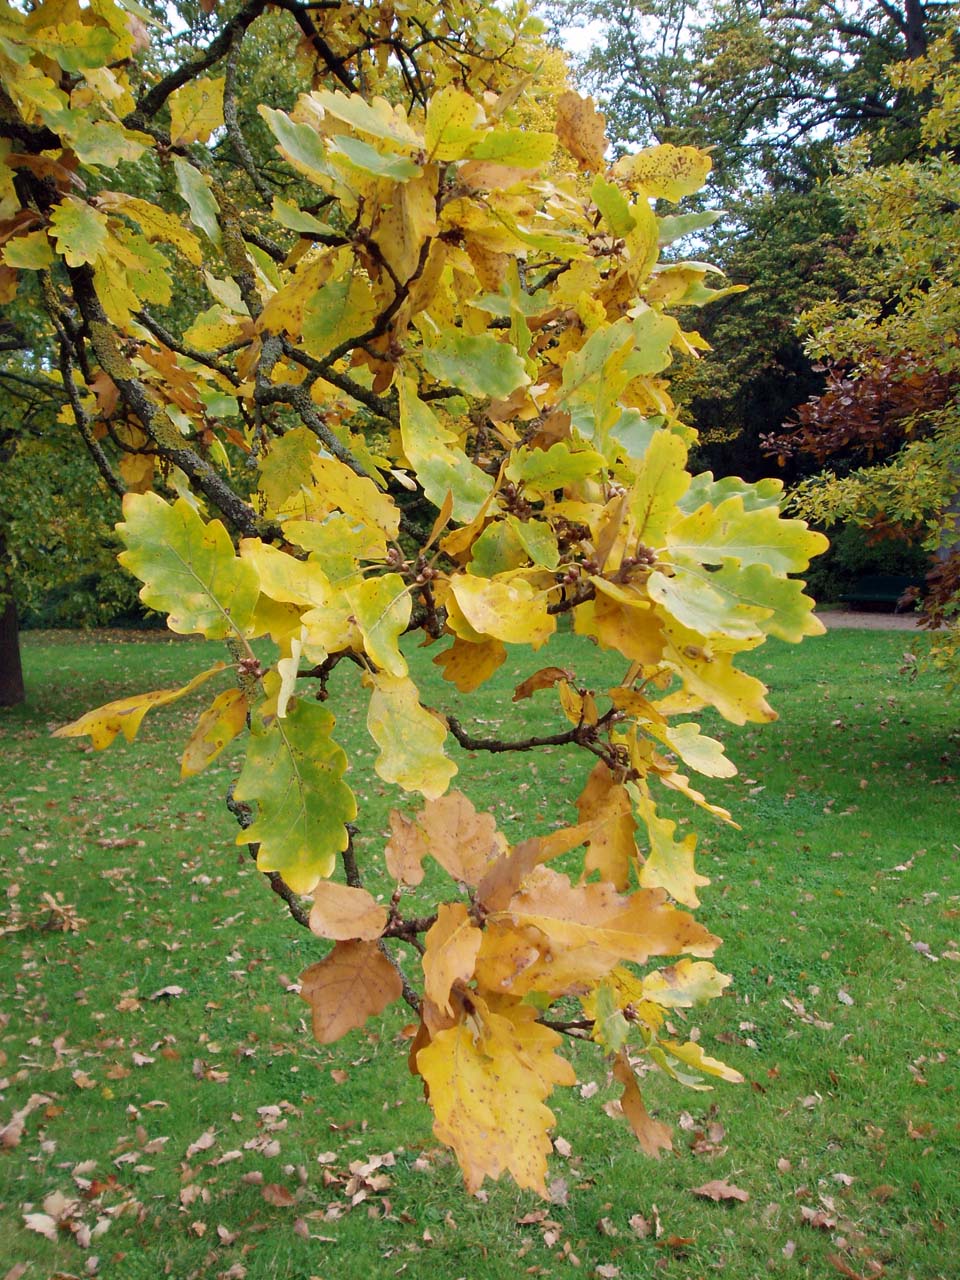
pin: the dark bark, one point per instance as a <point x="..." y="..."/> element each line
<point x="12" y="692"/>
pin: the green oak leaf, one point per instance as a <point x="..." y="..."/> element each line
<point x="480" y="365"/>
<point x="189" y="569"/>
<point x="760" y="536"/>
<point x="438" y="462"/>
<point x="614" y="206"/>
<point x="80" y="232"/>
<point x="382" y="608"/>
<point x="299" y="143"/>
<point x="293" y="773"/>
<point x="194" y="188"/>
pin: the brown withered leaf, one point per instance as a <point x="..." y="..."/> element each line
<point x="719" y="1189"/>
<point x="12" y="1131"/>
<point x="653" y="1135"/>
<point x="354" y="982"/>
<point x="406" y="849"/>
<point x="341" y="912"/>
<point x="817" y="1218"/>
<point x="203" y="1143"/>
<point x="582" y="130"/>
<point x="545" y="678"/>
<point x="463" y="841"/>
<point x="279" y="1196"/>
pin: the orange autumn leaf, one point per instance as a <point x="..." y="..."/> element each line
<point x="545" y="678"/>
<point x="653" y="1135"/>
<point x="582" y="130"/>
<point x="341" y="912"/>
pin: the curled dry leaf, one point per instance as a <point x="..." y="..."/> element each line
<point x="545" y="678"/>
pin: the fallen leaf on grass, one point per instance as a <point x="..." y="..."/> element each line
<point x="12" y="1131"/>
<point x="844" y="1268"/>
<point x="817" y="1218"/>
<point x="883" y="1192"/>
<point x="719" y="1189"/>
<point x="278" y="1195"/>
<point x="167" y="993"/>
<point x="203" y="1143"/>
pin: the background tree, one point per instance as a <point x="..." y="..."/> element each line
<point x="891" y="412"/>
<point x="775" y="88"/>
<point x="408" y="301"/>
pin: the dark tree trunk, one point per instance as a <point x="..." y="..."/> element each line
<point x="914" y="28"/>
<point x="12" y="692"/>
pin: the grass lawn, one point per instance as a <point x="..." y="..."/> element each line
<point x="177" y="1118"/>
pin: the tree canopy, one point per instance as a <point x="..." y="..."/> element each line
<point x="375" y="347"/>
<point x="891" y="409"/>
<point x="774" y="89"/>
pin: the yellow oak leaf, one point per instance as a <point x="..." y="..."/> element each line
<point x="705" y="666"/>
<point x="623" y="621"/>
<point x="665" y="171"/>
<point x="604" y="805"/>
<point x="125" y="715"/>
<point x="342" y="912"/>
<point x="450" y="954"/>
<point x="511" y="610"/>
<point x="580" y="933"/>
<point x="354" y="982"/>
<point x="685" y="984"/>
<point x="335" y="487"/>
<point x="487" y="1101"/>
<point x="468" y="665"/>
<point x="196" y="110"/>
<point x="451" y="126"/>
<point x="697" y="750"/>
<point x="409" y="737"/>
<point x="669" y="861"/>
<point x="692" y="1055"/>
<point x="382" y="608"/>
<point x="662" y="482"/>
<point x="222" y="721"/>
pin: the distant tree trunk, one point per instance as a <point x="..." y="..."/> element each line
<point x="12" y="692"/>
